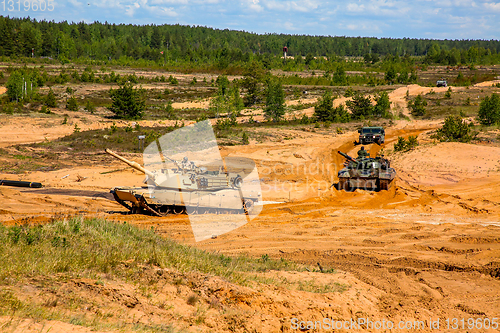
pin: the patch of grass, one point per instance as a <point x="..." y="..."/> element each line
<point x="91" y="246"/>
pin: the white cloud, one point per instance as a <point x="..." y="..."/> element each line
<point x="254" y="5"/>
<point x="169" y="2"/>
<point x="353" y="7"/>
<point x="493" y="6"/>
<point x="75" y="3"/>
<point x="297" y="6"/>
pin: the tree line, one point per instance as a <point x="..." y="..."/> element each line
<point x="24" y="37"/>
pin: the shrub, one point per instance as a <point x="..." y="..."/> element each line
<point x="447" y="94"/>
<point x="455" y="129"/>
<point x="45" y="109"/>
<point x="417" y="106"/>
<point x="50" y="99"/>
<point x="305" y="120"/>
<point x="404" y="145"/>
<point x="89" y="107"/>
<point x="128" y="102"/>
<point x="390" y="75"/>
<point x="173" y="80"/>
<point x="168" y="110"/>
<point x="72" y="104"/>
<point x="349" y="92"/>
<point x="244" y="139"/>
<point x="489" y="110"/>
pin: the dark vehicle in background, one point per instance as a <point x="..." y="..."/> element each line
<point x="442" y="83"/>
<point x="371" y="135"/>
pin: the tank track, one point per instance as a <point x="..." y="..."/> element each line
<point x="384" y="185"/>
<point x="142" y="207"/>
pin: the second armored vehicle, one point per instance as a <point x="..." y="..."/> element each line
<point x="366" y="173"/>
<point x="371" y="134"/>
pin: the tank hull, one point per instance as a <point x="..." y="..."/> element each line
<point x="376" y="184"/>
<point x="161" y="202"/>
<point x="366" y="173"/>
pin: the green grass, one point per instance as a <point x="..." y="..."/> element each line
<point x="55" y="253"/>
<point x="88" y="247"/>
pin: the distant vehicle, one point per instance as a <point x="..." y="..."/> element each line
<point x="442" y="83"/>
<point x="371" y="135"/>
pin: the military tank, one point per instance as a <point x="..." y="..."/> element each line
<point x="186" y="188"/>
<point x="365" y="173"/>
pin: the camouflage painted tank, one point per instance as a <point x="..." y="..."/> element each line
<point x="366" y="173"/>
<point x="186" y="188"/>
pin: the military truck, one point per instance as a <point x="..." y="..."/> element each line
<point x="442" y="83"/>
<point x="371" y="134"/>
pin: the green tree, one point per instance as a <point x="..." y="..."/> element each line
<point x="235" y="97"/>
<point x="71" y="104"/>
<point x="340" y="115"/>
<point x="50" y="99"/>
<point x="324" y="108"/>
<point x="447" y="94"/>
<point x="360" y="106"/>
<point x="90" y="107"/>
<point x="156" y="38"/>
<point x="222" y="83"/>
<point x="252" y="82"/>
<point x="339" y="76"/>
<point x="127" y="102"/>
<point x="383" y="105"/>
<point x="275" y="100"/>
<point x="390" y="75"/>
<point x="417" y="106"/>
<point x="403" y="76"/>
<point x="244" y="138"/>
<point x="489" y="110"/>
<point x="14" y="86"/>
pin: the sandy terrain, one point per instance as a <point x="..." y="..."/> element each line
<point x="427" y="248"/>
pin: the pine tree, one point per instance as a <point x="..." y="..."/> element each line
<point x="50" y="99"/>
<point x="15" y="86"/>
<point x="417" y="106"/>
<point x="489" y="110"/>
<point x="72" y="104"/>
<point x="323" y="110"/>
<point x="275" y="101"/>
<point x="128" y="102"/>
<point x="361" y="107"/>
<point x="383" y="105"/>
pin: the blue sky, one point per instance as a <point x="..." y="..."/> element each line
<point x="444" y="19"/>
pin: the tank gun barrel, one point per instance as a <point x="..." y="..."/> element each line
<point x="132" y="164"/>
<point x="347" y="156"/>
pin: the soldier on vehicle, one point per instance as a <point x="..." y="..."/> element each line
<point x="362" y="153"/>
